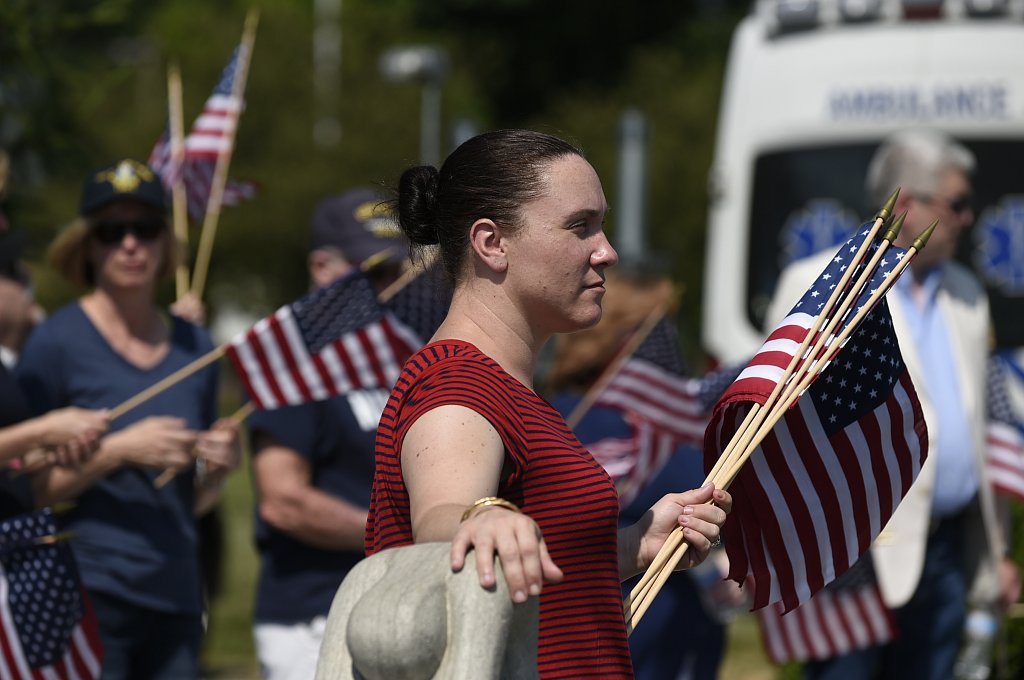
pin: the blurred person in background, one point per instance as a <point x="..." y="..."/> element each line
<point x="136" y="545"/>
<point x="943" y="552"/>
<point x="19" y="312"/>
<point x="65" y="436"/>
<point x="700" y="597"/>
<point x="313" y="463"/>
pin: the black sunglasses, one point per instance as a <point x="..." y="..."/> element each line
<point x="957" y="205"/>
<point x="109" y="233"/>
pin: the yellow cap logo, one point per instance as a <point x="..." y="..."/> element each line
<point x="126" y="176"/>
<point x="377" y="219"/>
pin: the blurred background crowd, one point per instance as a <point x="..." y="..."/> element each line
<point x="343" y="94"/>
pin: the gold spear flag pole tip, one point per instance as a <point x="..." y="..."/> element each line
<point x="894" y="229"/>
<point x="51" y="539"/>
<point x="890" y="203"/>
<point x="922" y="240"/>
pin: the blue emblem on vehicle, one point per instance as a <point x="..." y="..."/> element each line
<point x="823" y="223"/>
<point x="999" y="237"/>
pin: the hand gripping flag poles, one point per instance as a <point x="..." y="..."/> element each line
<point x="803" y="514"/>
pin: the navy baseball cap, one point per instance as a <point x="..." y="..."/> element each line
<point x="359" y="224"/>
<point x="124" y="180"/>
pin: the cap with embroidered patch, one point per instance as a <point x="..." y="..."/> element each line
<point x="124" y="180"/>
<point x="361" y="225"/>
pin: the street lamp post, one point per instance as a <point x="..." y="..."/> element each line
<point x="428" y="66"/>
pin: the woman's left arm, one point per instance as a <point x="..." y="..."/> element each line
<point x="692" y="510"/>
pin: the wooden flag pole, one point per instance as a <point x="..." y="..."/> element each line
<point x="794" y="384"/>
<point x="631" y="346"/>
<point x="725" y="480"/>
<point x="168" y="382"/>
<point x="756" y="416"/>
<point x="242" y="413"/>
<point x="830" y="352"/>
<point x="179" y="201"/>
<point x="407" y="277"/>
<point x="817" y="358"/>
<point x="220" y="172"/>
<point x="236" y="419"/>
<point x="801" y="357"/>
<point x="757" y="412"/>
<point x="156" y="388"/>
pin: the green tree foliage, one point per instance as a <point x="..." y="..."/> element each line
<point x="97" y="78"/>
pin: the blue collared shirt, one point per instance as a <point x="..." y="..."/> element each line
<point x="949" y="436"/>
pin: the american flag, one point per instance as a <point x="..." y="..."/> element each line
<point x="422" y="304"/>
<point x="665" y="409"/>
<point x="1005" y="434"/>
<point x="334" y="340"/>
<point x="661" y="404"/>
<point x="47" y="627"/>
<point x="847" y="615"/>
<point x="826" y="479"/>
<point x="211" y="136"/>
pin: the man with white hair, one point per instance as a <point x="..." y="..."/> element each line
<point x="943" y="552"/>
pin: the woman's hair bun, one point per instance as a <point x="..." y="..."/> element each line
<point x="417" y="204"/>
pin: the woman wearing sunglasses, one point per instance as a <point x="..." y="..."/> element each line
<point x="135" y="544"/>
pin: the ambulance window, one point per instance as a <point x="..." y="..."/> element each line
<point x="803" y="201"/>
<point x="807" y="199"/>
<point x="994" y="248"/>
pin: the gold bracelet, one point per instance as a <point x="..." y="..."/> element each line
<point x="489" y="501"/>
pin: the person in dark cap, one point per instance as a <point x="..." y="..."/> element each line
<point x="136" y="545"/>
<point x="313" y="464"/>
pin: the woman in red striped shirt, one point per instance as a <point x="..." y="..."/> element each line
<point x="466" y="450"/>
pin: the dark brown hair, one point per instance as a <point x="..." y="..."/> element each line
<point x="489" y="176"/>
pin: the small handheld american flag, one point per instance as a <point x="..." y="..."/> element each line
<point x="847" y="615"/>
<point x="331" y="341"/>
<point x="665" y="409"/>
<point x="210" y="137"/>
<point x="47" y="627"/>
<point x="826" y="479"/>
<point x="1005" y="432"/>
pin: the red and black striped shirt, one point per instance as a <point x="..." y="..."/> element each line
<point x="552" y="478"/>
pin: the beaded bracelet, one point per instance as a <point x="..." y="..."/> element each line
<point x="486" y="502"/>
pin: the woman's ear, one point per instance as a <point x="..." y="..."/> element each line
<point x="489" y="245"/>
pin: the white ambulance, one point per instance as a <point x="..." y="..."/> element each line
<point x="811" y="89"/>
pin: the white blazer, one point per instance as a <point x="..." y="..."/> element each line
<point x="899" y="550"/>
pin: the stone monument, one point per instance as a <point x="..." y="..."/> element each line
<point x="402" y="614"/>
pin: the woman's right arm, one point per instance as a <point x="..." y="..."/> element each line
<point x="452" y="457"/>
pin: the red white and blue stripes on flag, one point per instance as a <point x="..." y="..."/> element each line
<point x="847" y="615"/>
<point x="1005" y="432"/>
<point x="662" y="406"/>
<point x="827" y="478"/>
<point x="334" y="340"/>
<point x="211" y="136"/>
